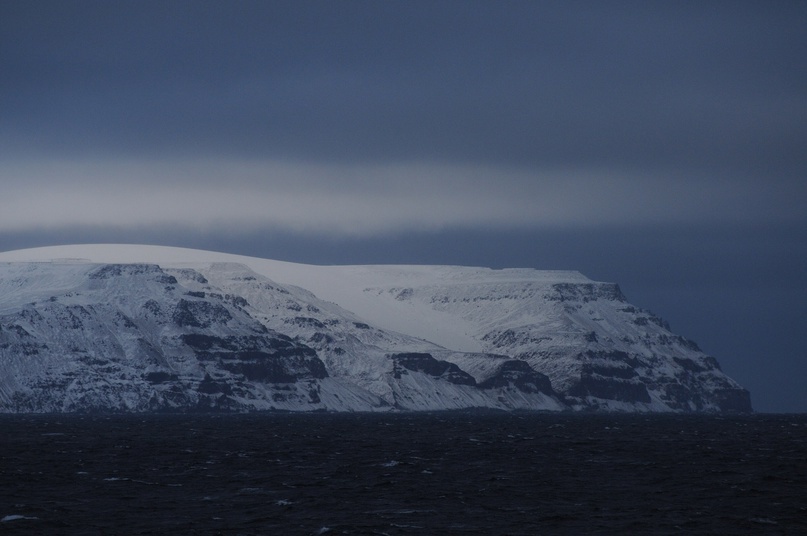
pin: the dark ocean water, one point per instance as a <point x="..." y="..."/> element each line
<point x="439" y="473"/>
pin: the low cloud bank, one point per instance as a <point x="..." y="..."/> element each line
<point x="366" y="200"/>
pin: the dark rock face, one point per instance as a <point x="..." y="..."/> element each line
<point x="509" y="337"/>
<point x="200" y="314"/>
<point x="520" y="375"/>
<point x="151" y="271"/>
<point x="734" y="400"/>
<point x="685" y="397"/>
<point x="609" y="371"/>
<point x="160" y="377"/>
<point x="422" y="362"/>
<point x="610" y="375"/>
<point x="261" y="358"/>
<point x="586" y="292"/>
<point x="610" y="389"/>
<point x="211" y="387"/>
<point x="613" y="358"/>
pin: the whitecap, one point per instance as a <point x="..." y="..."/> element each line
<point x="763" y="521"/>
<point x="15" y="517"/>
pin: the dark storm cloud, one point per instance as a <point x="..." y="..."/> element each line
<point x="717" y="87"/>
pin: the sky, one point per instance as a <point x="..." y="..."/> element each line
<point x="659" y="145"/>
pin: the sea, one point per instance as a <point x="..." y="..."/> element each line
<point x="484" y="473"/>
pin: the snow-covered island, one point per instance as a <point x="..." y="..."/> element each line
<point x="126" y="328"/>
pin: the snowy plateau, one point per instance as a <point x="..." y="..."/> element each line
<point x="124" y="328"/>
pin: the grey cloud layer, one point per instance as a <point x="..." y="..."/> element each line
<point x="566" y="112"/>
<point x="371" y="199"/>
<point x="578" y="79"/>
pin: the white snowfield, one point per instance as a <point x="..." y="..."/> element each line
<point x="371" y="292"/>
<point x="598" y="351"/>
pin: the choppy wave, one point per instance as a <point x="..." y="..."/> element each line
<point x="466" y="473"/>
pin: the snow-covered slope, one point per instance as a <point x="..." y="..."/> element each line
<point x="172" y="328"/>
